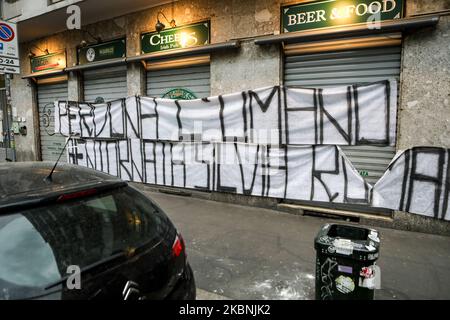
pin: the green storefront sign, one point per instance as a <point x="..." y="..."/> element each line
<point x="48" y="62"/>
<point x="103" y="51"/>
<point x="179" y="94"/>
<point x="333" y="13"/>
<point x="176" y="38"/>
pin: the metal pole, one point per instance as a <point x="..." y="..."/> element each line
<point x="10" y="143"/>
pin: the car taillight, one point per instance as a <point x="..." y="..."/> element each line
<point x="75" y="195"/>
<point x="178" y="246"/>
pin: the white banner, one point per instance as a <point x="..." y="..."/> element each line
<point x="417" y="181"/>
<point x="345" y="115"/>
<point x="312" y="173"/>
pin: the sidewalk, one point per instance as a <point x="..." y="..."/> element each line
<point x="251" y="253"/>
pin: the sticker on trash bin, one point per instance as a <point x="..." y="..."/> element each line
<point x="372" y="256"/>
<point x="345" y="285"/>
<point x="370" y="277"/>
<point x="345" y="269"/>
<point x="374" y="236"/>
<point x="343" y="246"/>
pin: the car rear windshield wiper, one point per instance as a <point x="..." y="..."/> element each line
<point x="127" y="253"/>
<point x="113" y="257"/>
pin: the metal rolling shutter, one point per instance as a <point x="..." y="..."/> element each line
<point x="195" y="79"/>
<point x="108" y="83"/>
<point x="51" y="143"/>
<point x="344" y="68"/>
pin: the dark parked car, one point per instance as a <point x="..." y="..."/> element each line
<point x="84" y="225"/>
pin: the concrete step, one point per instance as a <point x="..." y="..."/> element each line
<point x="328" y="212"/>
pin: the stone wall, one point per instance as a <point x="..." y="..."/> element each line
<point x="23" y="99"/>
<point x="233" y="71"/>
<point x="424" y="113"/>
<point x="415" y="7"/>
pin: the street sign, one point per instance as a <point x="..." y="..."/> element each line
<point x="9" y="48"/>
<point x="6" y="32"/>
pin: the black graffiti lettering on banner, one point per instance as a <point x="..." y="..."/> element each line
<point x="323" y="117"/>
<point x="98" y="159"/>
<point x="135" y="125"/>
<point x="299" y="109"/>
<point x="220" y="187"/>
<point x="222" y="121"/>
<point x="206" y="163"/>
<point x="256" y="105"/>
<point x="244" y="115"/>
<point x="437" y="181"/>
<point x="74" y="155"/>
<point x="348" y="199"/>
<point x="264" y="106"/>
<point x="286" y="164"/>
<point x="83" y="121"/>
<point x="375" y="142"/>
<point x="317" y="174"/>
<point x="180" y="125"/>
<point x="223" y="126"/>
<point x="106" y="119"/>
<point x="267" y="168"/>
<point x="145" y="116"/>
<point x="63" y="112"/>
<point x="180" y="163"/>
<point x="324" y="112"/>
<point x="320" y="112"/>
<point x="406" y="158"/>
<point x="152" y="161"/>
<point x="129" y="165"/>
<point x="163" y="149"/>
<point x="71" y="117"/>
<point x="447" y="187"/>
<point x="109" y="162"/>
<point x="349" y="114"/>
<point x="245" y="190"/>
<point x="115" y="133"/>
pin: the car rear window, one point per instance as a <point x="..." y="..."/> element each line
<point x="37" y="245"/>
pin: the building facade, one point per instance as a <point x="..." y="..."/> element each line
<point x="244" y="45"/>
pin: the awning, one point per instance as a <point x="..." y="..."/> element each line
<point x="99" y="64"/>
<point x="44" y="74"/>
<point x="352" y="31"/>
<point x="186" y="52"/>
<point x="152" y="56"/>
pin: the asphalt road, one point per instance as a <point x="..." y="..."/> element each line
<point x="242" y="252"/>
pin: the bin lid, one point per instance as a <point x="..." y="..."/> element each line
<point x="349" y="241"/>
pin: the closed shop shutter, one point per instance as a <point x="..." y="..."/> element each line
<point x="196" y="79"/>
<point x="345" y="68"/>
<point x="107" y="83"/>
<point x="51" y="143"/>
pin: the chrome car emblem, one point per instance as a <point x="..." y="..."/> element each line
<point x="131" y="290"/>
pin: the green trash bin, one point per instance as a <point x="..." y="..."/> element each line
<point x="346" y="263"/>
